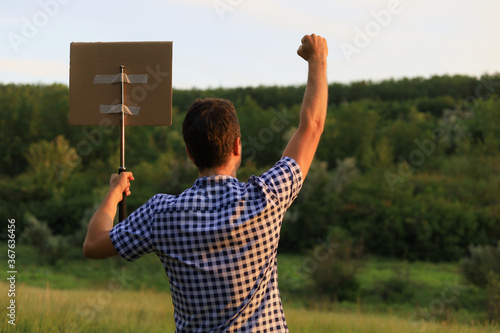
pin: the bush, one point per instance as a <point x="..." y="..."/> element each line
<point x="482" y="268"/>
<point x="483" y="261"/>
<point x="494" y="297"/>
<point x="395" y="289"/>
<point x="335" y="275"/>
<point x="38" y="234"/>
<point x="423" y="219"/>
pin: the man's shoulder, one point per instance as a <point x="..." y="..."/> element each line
<point x="284" y="180"/>
<point x="290" y="162"/>
<point x="286" y="167"/>
<point x="161" y="200"/>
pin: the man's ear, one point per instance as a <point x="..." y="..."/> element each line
<point x="189" y="155"/>
<point x="236" y="147"/>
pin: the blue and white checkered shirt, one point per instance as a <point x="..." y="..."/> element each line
<point x="218" y="242"/>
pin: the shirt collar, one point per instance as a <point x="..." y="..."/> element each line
<point x="215" y="180"/>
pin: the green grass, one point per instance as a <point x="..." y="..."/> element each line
<point x="53" y="310"/>
<point x="134" y="297"/>
<point x="76" y="272"/>
<point x="433" y="291"/>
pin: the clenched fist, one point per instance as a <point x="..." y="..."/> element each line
<point x="314" y="47"/>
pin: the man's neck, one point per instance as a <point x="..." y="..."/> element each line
<point x="216" y="172"/>
<point x="228" y="169"/>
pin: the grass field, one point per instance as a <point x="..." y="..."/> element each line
<point x="52" y="310"/>
<point x="77" y="295"/>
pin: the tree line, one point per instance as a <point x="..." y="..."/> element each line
<point x="409" y="167"/>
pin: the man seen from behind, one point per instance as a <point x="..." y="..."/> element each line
<point x="218" y="240"/>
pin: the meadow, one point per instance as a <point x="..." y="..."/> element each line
<point x="81" y="295"/>
<point x="408" y="168"/>
<point x="53" y="310"/>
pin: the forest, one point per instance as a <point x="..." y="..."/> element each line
<point x="409" y="168"/>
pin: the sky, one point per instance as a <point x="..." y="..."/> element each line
<point x="239" y="43"/>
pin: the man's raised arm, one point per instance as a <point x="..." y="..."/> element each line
<point x="97" y="243"/>
<point x="303" y="144"/>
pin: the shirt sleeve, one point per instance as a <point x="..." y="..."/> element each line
<point x="282" y="182"/>
<point x="132" y="238"/>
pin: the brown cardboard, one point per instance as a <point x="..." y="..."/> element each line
<point x="154" y="97"/>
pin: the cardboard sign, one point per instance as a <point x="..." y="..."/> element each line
<point x="95" y="83"/>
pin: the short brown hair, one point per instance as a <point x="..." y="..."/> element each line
<point x="209" y="131"/>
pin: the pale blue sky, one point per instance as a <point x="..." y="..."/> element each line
<point x="233" y="43"/>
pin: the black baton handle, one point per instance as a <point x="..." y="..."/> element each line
<point x="122" y="205"/>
